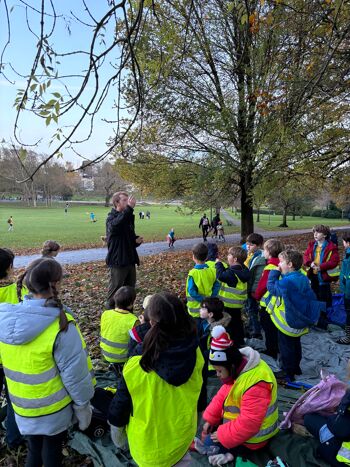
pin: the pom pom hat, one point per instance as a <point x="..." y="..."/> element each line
<point x="222" y="349"/>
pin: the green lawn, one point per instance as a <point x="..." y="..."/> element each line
<point x="305" y="222"/>
<point x="32" y="226"/>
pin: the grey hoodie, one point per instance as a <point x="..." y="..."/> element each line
<point x="22" y="323"/>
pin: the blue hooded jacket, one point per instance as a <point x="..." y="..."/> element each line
<point x="301" y="305"/>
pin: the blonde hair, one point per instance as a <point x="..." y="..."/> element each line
<point x="274" y="247"/>
<point x="49" y="246"/>
<point x="117" y="195"/>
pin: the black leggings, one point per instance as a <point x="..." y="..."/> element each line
<point x="45" y="450"/>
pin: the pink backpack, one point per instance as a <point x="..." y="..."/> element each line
<point x="323" y="398"/>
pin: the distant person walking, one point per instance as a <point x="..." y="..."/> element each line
<point x="92" y="217"/>
<point x="214" y="225"/>
<point x="171" y="238"/>
<point x="204" y="223"/>
<point x="66" y="208"/>
<point x="10" y="223"/>
<point x="148" y="215"/>
<point x="122" y="242"/>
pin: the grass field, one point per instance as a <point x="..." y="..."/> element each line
<point x="32" y="226"/>
<point x="299" y="223"/>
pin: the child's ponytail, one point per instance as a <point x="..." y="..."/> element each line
<point x="19" y="285"/>
<point x="56" y="302"/>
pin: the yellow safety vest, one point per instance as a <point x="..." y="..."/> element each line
<point x="8" y="294"/>
<point x="277" y="311"/>
<point x="246" y="380"/>
<point x="233" y="297"/>
<point x="335" y="272"/>
<point x="115" y="327"/>
<point x="344" y="453"/>
<point x="163" y="422"/>
<point x="265" y="298"/>
<point x="33" y="379"/>
<point x="204" y="279"/>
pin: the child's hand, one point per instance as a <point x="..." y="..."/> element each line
<point x="142" y="318"/>
<point x="214" y="436"/>
<point x="207" y="428"/>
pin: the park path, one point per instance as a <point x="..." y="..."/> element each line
<point x="152" y="248"/>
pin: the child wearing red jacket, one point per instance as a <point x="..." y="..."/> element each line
<point x="322" y="259"/>
<point x="243" y="414"/>
<point x="272" y="248"/>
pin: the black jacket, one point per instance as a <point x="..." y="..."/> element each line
<point x="121" y="238"/>
<point x="231" y="274"/>
<point x="339" y="424"/>
<point x="175" y="365"/>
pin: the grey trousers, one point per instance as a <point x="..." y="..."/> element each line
<point x="119" y="276"/>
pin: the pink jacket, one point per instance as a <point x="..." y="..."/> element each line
<point x="253" y="410"/>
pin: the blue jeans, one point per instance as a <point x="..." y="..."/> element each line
<point x="252" y="308"/>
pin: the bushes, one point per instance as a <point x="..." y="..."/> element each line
<point x="330" y="214"/>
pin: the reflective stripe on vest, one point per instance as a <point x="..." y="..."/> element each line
<point x="204" y="280"/>
<point x="163" y="422"/>
<point x="42" y="392"/>
<point x="344" y="453"/>
<point x="277" y="311"/>
<point x="115" y="327"/>
<point x="233" y="297"/>
<point x="232" y="406"/>
<point x="266" y="297"/>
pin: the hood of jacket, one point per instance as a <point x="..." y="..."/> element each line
<point x="224" y="321"/>
<point x="252" y="358"/>
<point x="176" y="364"/>
<point x="23" y="322"/>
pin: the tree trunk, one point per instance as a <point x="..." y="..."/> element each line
<point x="284" y="221"/>
<point x="293" y="215"/>
<point x="247" y="220"/>
<point x="107" y="198"/>
<point x="258" y="215"/>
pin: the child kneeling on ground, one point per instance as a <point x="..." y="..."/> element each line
<point x="115" y="327"/>
<point x="243" y="415"/>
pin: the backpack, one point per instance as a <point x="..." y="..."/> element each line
<point x="323" y="398"/>
<point x="205" y="221"/>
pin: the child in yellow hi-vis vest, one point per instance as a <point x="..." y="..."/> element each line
<point x="115" y="327"/>
<point x="201" y="281"/>
<point x="48" y="373"/>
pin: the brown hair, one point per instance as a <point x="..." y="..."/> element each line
<point x="200" y="251"/>
<point x="346" y="236"/>
<point x="170" y="321"/>
<point x="6" y="261"/>
<point x="239" y="253"/>
<point x="124" y="297"/>
<point x="274" y="247"/>
<point x="117" y="195"/>
<point x="292" y="256"/>
<point x="322" y="229"/>
<point x="40" y="277"/>
<point x="255" y="239"/>
<point x="50" y="246"/>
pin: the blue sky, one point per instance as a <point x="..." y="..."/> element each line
<point x="21" y="52"/>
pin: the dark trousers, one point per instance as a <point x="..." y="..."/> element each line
<point x="235" y="328"/>
<point x="117" y="278"/>
<point x="328" y="450"/>
<point x="252" y="308"/>
<point x="290" y="350"/>
<point x="323" y="291"/>
<point x="205" y="231"/>
<point x="271" y="333"/>
<point x="45" y="450"/>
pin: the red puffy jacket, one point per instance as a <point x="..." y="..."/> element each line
<point x="330" y="259"/>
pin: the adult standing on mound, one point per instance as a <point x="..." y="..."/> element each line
<point x="122" y="242"/>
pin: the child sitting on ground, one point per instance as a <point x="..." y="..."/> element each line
<point x="137" y="333"/>
<point x="255" y="262"/>
<point x="233" y="291"/>
<point x="213" y="314"/>
<point x="293" y="307"/>
<point x="115" y="327"/>
<point x="272" y="248"/>
<point x="201" y="281"/>
<point x="243" y="415"/>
